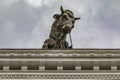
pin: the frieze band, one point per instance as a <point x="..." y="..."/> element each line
<point x="60" y="76"/>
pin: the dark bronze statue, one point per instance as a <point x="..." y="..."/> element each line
<point x="62" y="26"/>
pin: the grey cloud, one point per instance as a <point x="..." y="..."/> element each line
<point x="27" y="25"/>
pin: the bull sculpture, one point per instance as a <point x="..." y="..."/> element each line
<point x="62" y="26"/>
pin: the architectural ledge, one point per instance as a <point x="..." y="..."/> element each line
<point x="74" y="53"/>
<point x="60" y="64"/>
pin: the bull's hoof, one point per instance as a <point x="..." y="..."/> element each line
<point x="71" y="47"/>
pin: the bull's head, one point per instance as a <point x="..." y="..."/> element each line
<point x="65" y="20"/>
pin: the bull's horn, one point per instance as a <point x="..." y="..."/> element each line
<point x="77" y="18"/>
<point x="62" y="10"/>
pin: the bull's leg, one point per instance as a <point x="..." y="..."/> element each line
<point x="45" y="45"/>
<point x="49" y="44"/>
<point x="64" y="44"/>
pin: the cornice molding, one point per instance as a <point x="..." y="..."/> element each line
<point x="78" y="53"/>
<point x="24" y="55"/>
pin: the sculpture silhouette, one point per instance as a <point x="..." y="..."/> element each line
<point x="62" y="25"/>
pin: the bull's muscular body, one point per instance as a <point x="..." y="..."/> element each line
<point x="62" y="25"/>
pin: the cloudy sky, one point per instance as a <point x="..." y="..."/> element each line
<point x="27" y="23"/>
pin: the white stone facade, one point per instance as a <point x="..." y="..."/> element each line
<point x="59" y="64"/>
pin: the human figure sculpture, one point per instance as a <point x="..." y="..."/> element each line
<point x="62" y="26"/>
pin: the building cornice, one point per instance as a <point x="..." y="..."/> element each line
<point x="60" y="64"/>
<point x="75" y="53"/>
